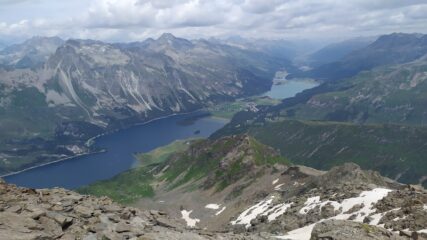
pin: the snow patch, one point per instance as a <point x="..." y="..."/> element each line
<point x="367" y="198"/>
<point x="220" y="211"/>
<point x="275" y="181"/>
<point x="252" y="212"/>
<point x="276" y="211"/>
<point x="191" y="222"/>
<point x="212" y="206"/>
<point x="303" y="233"/>
<point x="310" y="204"/>
<point x="54" y="98"/>
<point x="277" y="188"/>
<point x="377" y="217"/>
<point x="263" y="208"/>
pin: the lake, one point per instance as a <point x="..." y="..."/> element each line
<point x="289" y="88"/>
<point x="121" y="145"/>
<point x="118" y="157"/>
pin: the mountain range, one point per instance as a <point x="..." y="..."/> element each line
<point x="86" y="86"/>
<point x="292" y="50"/>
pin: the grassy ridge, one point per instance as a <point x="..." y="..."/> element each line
<point x="220" y="163"/>
<point x="223" y="161"/>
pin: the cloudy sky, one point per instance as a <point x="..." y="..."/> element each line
<point x="130" y="20"/>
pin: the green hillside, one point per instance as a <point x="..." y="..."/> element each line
<point x="394" y="94"/>
<point x="395" y="151"/>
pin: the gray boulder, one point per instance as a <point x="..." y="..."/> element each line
<point x="343" y="230"/>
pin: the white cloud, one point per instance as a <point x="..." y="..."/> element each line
<point x="129" y="20"/>
<point x="261" y="6"/>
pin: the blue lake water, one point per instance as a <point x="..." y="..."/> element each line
<point x="120" y="147"/>
<point x="290" y="88"/>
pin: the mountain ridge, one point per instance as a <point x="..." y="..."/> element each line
<point x="395" y="48"/>
<point x="91" y="86"/>
<point x="336" y="51"/>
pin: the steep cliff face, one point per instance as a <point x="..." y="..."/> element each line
<point x="104" y="82"/>
<point x="153" y="77"/>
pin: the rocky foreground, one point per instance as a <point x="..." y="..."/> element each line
<point x="62" y="214"/>
<point x="239" y="185"/>
<point x="248" y="192"/>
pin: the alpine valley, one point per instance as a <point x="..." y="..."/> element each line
<point x="376" y="117"/>
<point x="344" y="159"/>
<point x="55" y="95"/>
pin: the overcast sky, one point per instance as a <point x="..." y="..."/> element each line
<point x="131" y="20"/>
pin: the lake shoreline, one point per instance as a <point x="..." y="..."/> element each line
<point x="52" y="162"/>
<point x="119" y="155"/>
<point x="91" y="140"/>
